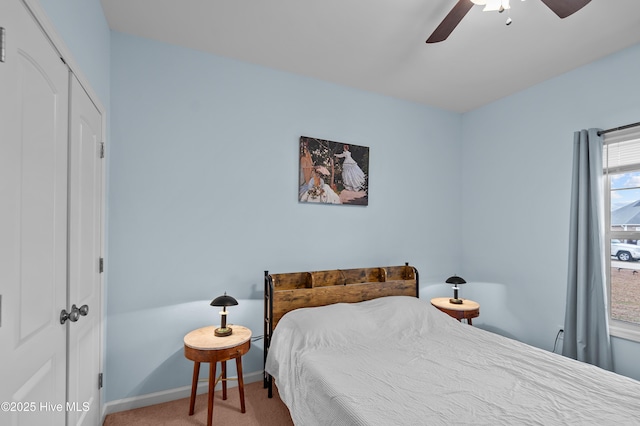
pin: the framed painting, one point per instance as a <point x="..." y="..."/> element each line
<point x="333" y="172"/>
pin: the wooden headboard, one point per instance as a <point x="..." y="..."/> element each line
<point x="289" y="291"/>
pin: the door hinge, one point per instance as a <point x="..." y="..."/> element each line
<point x="2" y="44"/>
<point x="101" y="149"/>
<point x="99" y="380"/>
<point x="101" y="265"/>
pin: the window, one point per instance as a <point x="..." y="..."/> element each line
<point x="621" y="158"/>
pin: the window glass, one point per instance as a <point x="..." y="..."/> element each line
<point x="625" y="281"/>
<point x="625" y="201"/>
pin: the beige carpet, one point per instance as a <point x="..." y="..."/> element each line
<point x="260" y="411"/>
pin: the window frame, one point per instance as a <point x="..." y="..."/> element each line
<point x="617" y="328"/>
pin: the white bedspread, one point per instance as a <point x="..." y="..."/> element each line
<point x="399" y="361"/>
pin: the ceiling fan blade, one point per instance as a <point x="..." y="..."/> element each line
<point x="451" y="21"/>
<point x="564" y="8"/>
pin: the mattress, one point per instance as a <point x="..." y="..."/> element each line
<point x="399" y="361"/>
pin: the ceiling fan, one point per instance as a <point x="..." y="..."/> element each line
<point x="562" y="8"/>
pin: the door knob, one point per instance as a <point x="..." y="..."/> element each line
<point x="84" y="310"/>
<point x="74" y="314"/>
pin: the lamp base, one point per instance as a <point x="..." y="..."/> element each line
<point x="223" y="332"/>
<point x="456" y="301"/>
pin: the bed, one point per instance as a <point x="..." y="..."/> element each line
<point x="397" y="360"/>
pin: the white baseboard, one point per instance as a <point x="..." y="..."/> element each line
<point x="170" y="395"/>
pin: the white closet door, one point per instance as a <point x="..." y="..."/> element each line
<point x="85" y="226"/>
<point x="33" y="222"/>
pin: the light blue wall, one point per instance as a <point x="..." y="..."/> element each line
<point x="517" y="156"/>
<point x="203" y="200"/>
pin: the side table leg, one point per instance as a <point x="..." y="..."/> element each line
<point x="224" y="380"/>
<point x="212" y="383"/>
<point x="240" y="382"/>
<point x="194" y="385"/>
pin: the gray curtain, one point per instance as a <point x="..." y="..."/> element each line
<point x="586" y="323"/>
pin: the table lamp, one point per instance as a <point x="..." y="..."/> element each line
<point x="455" y="280"/>
<point x="223" y="301"/>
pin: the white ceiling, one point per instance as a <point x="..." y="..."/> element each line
<point x="379" y="45"/>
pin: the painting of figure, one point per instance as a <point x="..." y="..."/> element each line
<point x="333" y="172"/>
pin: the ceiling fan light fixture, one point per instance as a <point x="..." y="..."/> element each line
<point x="496" y="5"/>
<point x="492" y="5"/>
<point x="562" y="8"/>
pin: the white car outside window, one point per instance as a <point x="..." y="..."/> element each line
<point x="624" y="251"/>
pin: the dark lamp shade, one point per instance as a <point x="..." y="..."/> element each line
<point x="224" y="300"/>
<point x="455" y="280"/>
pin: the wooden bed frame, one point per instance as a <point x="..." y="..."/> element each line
<point x="289" y="291"/>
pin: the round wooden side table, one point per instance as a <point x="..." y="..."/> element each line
<point x="202" y="345"/>
<point x="468" y="309"/>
